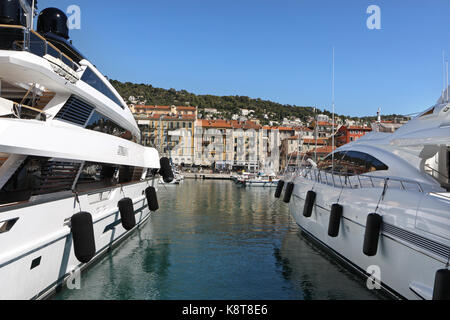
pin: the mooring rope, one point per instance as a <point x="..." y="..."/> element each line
<point x="383" y="194"/>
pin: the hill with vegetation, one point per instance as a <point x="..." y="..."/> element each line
<point x="227" y="105"/>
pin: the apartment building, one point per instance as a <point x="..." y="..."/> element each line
<point x="347" y="134"/>
<point x="169" y="129"/>
<point x="228" y="144"/>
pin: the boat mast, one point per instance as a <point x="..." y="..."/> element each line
<point x="333" y="105"/>
<point x="443" y="76"/>
<point x="446" y="63"/>
<point x="316" y="133"/>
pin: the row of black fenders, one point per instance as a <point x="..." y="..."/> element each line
<point x="372" y="233"/>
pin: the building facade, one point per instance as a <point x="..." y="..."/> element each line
<point x="169" y="129"/>
<point x="347" y="134"/>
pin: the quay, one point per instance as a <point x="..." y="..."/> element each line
<point x="206" y="176"/>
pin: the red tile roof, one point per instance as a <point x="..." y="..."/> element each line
<point x="227" y="124"/>
<point x="359" y="128"/>
<point x="313" y="141"/>
<point x="323" y="123"/>
<point x="185" y="117"/>
<point x="279" y="128"/>
<point x="322" y="150"/>
<point x="219" y="124"/>
<point x="304" y="129"/>
<point x="327" y="149"/>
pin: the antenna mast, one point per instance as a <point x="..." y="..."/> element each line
<point x="446" y="64"/>
<point x="333" y="132"/>
<point x="443" y="77"/>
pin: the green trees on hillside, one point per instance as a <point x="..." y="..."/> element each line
<point x="228" y="105"/>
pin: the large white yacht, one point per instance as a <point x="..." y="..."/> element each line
<point x="382" y="205"/>
<point x="73" y="179"/>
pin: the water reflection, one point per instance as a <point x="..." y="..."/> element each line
<point x="213" y="240"/>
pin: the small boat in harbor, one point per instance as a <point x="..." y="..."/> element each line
<point x="382" y="205"/>
<point x="74" y="182"/>
<point x="262" y="182"/>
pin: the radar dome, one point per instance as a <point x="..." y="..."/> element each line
<point x="53" y="20"/>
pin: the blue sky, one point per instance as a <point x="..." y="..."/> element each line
<point x="273" y="49"/>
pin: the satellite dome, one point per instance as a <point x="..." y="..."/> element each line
<point x="53" y="20"/>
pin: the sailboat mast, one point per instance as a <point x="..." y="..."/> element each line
<point x="333" y="106"/>
<point x="443" y="76"/>
<point x="446" y="63"/>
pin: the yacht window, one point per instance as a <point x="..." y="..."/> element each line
<point x="352" y="163"/>
<point x="101" y="123"/>
<point x="356" y="163"/>
<point x="97" y="176"/>
<point x="429" y="112"/>
<point x="91" y="79"/>
<point x="327" y="163"/>
<point x="19" y="186"/>
<point x="38" y="176"/>
<point x="129" y="174"/>
<point x="54" y="176"/>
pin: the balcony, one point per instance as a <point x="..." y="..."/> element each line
<point x="19" y="38"/>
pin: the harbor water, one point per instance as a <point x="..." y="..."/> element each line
<point x="212" y="240"/>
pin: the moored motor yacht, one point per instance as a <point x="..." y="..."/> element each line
<point x="74" y="181"/>
<point x="381" y="205"/>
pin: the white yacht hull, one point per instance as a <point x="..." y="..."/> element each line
<point x="407" y="270"/>
<point x="42" y="233"/>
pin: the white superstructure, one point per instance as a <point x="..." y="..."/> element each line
<point x="401" y="178"/>
<point x="68" y="144"/>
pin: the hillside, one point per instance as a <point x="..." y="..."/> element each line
<point x="228" y="105"/>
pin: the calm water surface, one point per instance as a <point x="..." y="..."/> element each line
<point x="213" y="240"/>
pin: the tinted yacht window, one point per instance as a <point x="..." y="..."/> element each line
<point x="39" y="176"/>
<point x="352" y="163"/>
<point x="355" y="163"/>
<point x="101" y="123"/>
<point x="97" y="176"/>
<point x="91" y="79"/>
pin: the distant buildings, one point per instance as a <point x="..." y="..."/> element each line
<point x="193" y="139"/>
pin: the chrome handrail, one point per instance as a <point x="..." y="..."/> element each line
<point x="26" y="46"/>
<point x="438" y="172"/>
<point x="354" y="183"/>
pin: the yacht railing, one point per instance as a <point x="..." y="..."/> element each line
<point x="435" y="173"/>
<point x="18" y="112"/>
<point x="355" y="181"/>
<point x="19" y="38"/>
